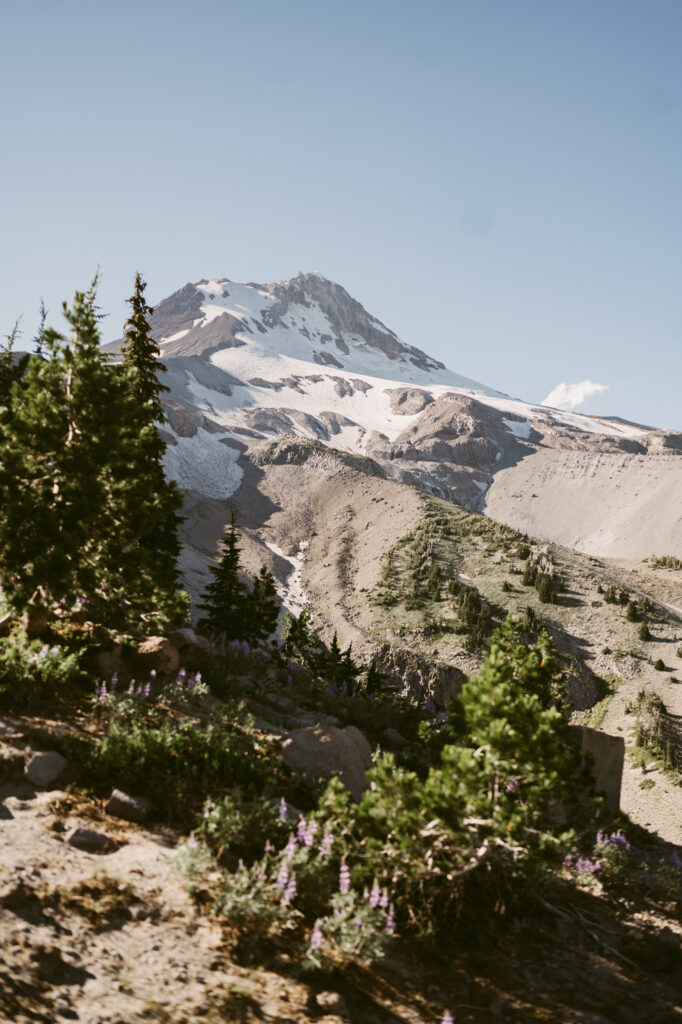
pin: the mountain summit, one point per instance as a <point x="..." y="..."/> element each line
<point x="303" y="359"/>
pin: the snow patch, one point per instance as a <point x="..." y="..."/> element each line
<point x="521" y="430"/>
<point x="292" y="593"/>
<point x="202" y="463"/>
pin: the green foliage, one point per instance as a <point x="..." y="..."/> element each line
<point x="31" y="671"/>
<point x="631" y="613"/>
<point x="158" y="501"/>
<point x="486" y="809"/>
<point x="232" y="612"/>
<point x="72" y="487"/>
<point x="179" y="763"/>
<point x="659" y="665"/>
<point x="666" y="562"/>
<point x="644" y="633"/>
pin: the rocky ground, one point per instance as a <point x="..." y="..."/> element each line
<point x="104" y="933"/>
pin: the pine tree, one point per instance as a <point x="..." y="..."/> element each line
<point x="263" y="607"/>
<point x="156" y="501"/>
<point x="141" y="353"/>
<point x="225" y="598"/>
<point x="71" y="488"/>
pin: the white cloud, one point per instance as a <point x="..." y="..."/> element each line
<point x="568" y="396"/>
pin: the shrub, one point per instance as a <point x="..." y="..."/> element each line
<point x="631" y="613"/>
<point x="31" y="671"/>
<point x="485" y="809"/>
<point x="659" y="665"/>
<point x="644" y="633"/>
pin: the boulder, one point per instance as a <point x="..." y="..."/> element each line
<point x="45" y="767"/>
<point x="90" y="841"/>
<point x="158" y="653"/>
<point x="326" y="750"/>
<point x="130" y="808"/>
<point x="195" y="651"/>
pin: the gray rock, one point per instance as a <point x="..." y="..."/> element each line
<point x="158" y="653"/>
<point x="130" y="808"/>
<point x="326" y="750"/>
<point x="90" y="841"/>
<point x="331" y="1002"/>
<point x="45" y="767"/>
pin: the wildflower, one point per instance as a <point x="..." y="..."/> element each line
<point x="568" y="860"/>
<point x="375" y="895"/>
<point x="190" y="683"/>
<point x="447" y="1018"/>
<point x="588" y="866"/>
<point x="511" y="786"/>
<point x="182" y="675"/>
<point x="290" y="848"/>
<point x="152" y="675"/>
<point x="197" y="677"/>
<point x="268" y="848"/>
<point x="114" y="681"/>
<point x="147" y="689"/>
<point x="316" y="937"/>
<point x="302" y="829"/>
<point x="326" y="844"/>
<point x="310" y="833"/>
<point x="289" y="892"/>
<point x="54" y="650"/>
<point x="344" y="878"/>
<point x="102" y="694"/>
<point x="192" y="842"/>
<point x="383" y="900"/>
<point x="389" y="927"/>
<point x="676" y="860"/>
<point x="357" y="921"/>
<point x="283" y="810"/>
<point x="282" y="877"/>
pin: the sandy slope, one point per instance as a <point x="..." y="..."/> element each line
<point x="602" y="504"/>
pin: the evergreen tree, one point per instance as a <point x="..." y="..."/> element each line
<point x="225" y="597"/>
<point x="263" y="607"/>
<point x="70" y="484"/>
<point x="157" y="501"/>
<point x="141" y="353"/>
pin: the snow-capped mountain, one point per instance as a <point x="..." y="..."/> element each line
<point x="250" y="362"/>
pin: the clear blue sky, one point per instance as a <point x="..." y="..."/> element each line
<point x="500" y="181"/>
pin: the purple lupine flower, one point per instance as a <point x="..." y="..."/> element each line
<point x="389" y="927"/>
<point x="131" y="688"/>
<point x="102" y="693"/>
<point x="326" y="844"/>
<point x="375" y="895"/>
<point x="54" y="650"/>
<point x="114" y="681"/>
<point x="568" y="860"/>
<point x="301" y="829"/>
<point x="316" y="937"/>
<point x="588" y="866"/>
<point x="344" y="878"/>
<point x="289" y="892"/>
<point x="182" y="675"/>
<point x="447" y="1018"/>
<point x="511" y="786"/>
<point x="147" y="689"/>
<point x="310" y="833"/>
<point x="383" y="900"/>
<point x="268" y="848"/>
<point x="190" y="683"/>
<point x="615" y="839"/>
<point x="290" y="848"/>
<point x="192" y="842"/>
<point x="282" y="877"/>
<point x="357" y="921"/>
<point x="283" y="810"/>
